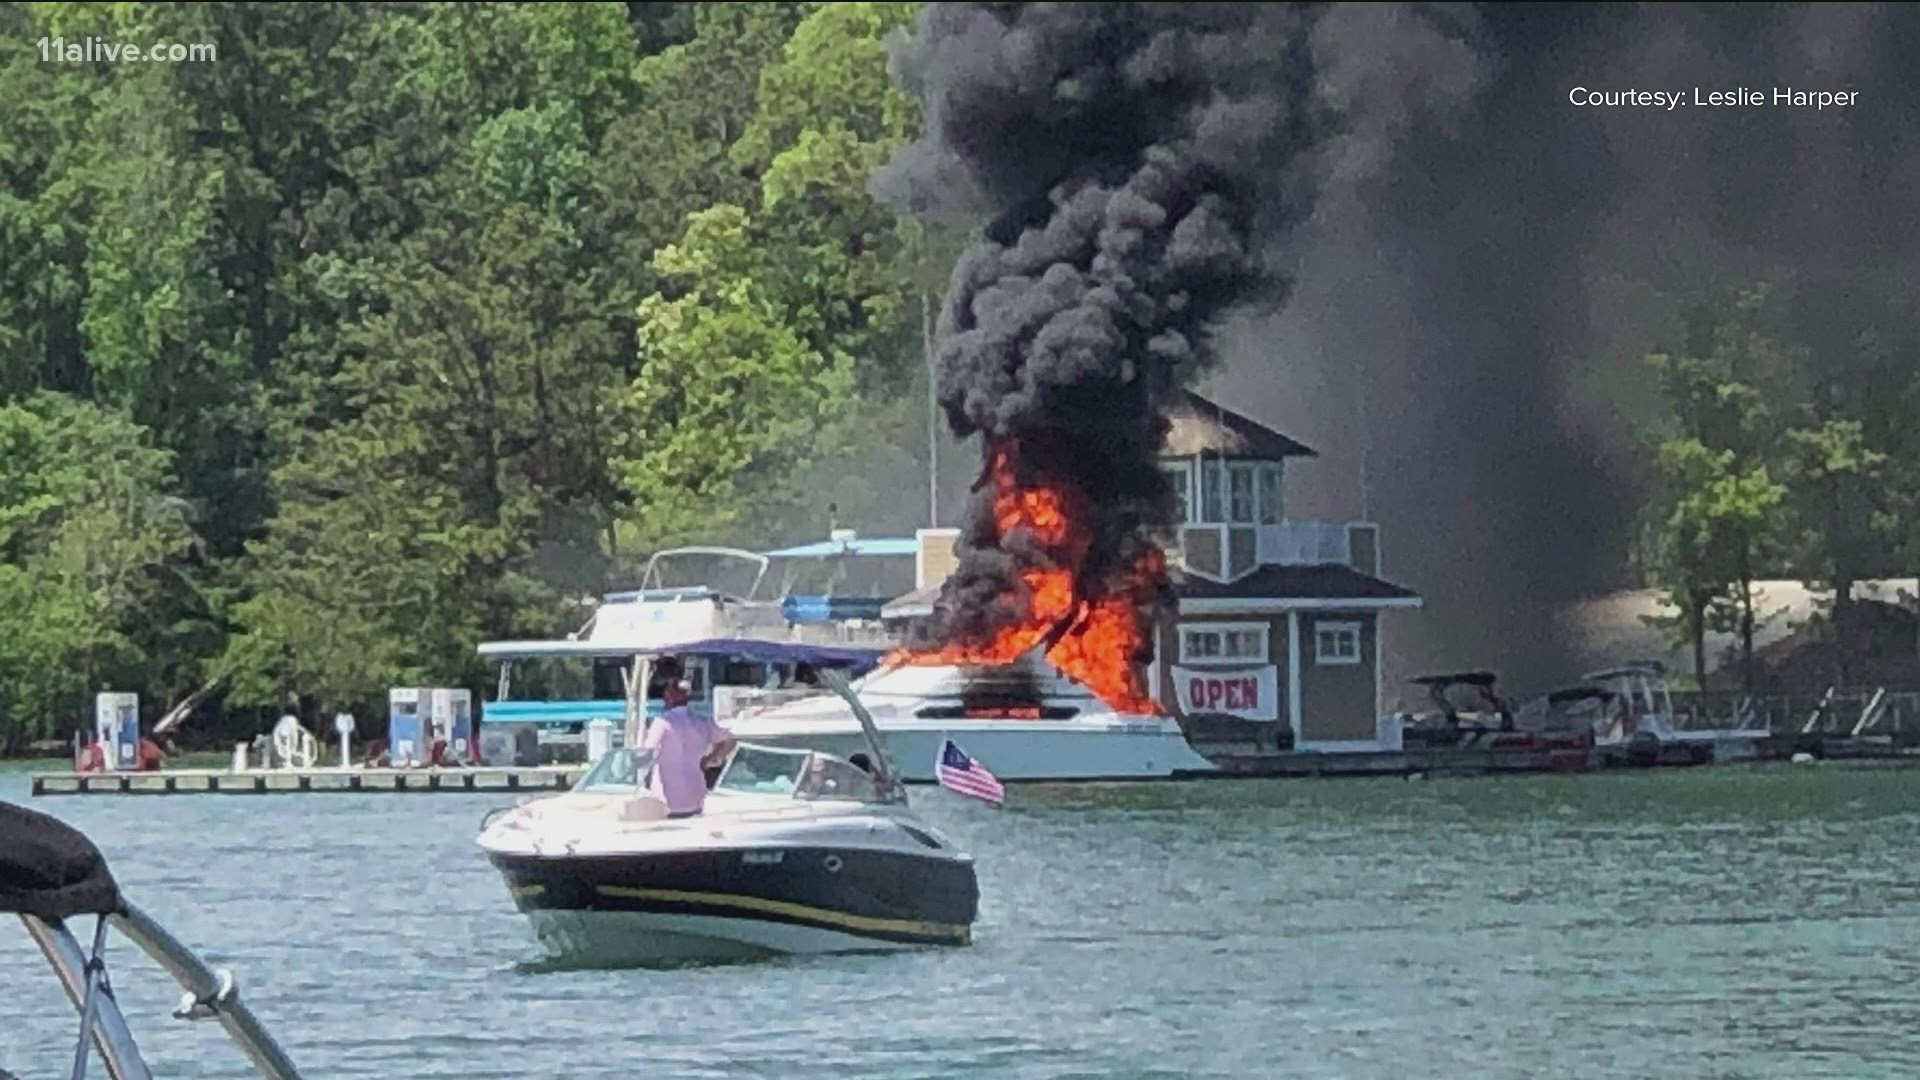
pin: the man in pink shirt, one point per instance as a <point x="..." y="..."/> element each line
<point x="683" y="742"/>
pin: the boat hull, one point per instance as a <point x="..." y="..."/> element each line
<point x="1014" y="750"/>
<point x="732" y="902"/>
<point x="638" y="938"/>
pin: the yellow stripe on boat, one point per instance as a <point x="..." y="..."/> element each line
<point x="944" y="931"/>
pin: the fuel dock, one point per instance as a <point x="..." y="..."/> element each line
<point x="538" y="778"/>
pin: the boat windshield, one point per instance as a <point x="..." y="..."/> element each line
<point x="761" y="770"/>
<point x="617" y="772"/>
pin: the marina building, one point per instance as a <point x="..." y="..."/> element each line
<point x="1275" y="633"/>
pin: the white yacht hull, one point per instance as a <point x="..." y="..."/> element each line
<point x="1145" y="748"/>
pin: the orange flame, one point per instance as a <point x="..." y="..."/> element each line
<point x="1106" y="634"/>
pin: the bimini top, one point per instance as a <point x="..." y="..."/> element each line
<point x="1580" y="693"/>
<point x="1652" y="669"/>
<point x="50" y="870"/>
<point x="864" y="547"/>
<point x="762" y="650"/>
<point x="1468" y="678"/>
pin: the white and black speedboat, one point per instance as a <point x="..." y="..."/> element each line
<point x="797" y="851"/>
<point x="52" y="875"/>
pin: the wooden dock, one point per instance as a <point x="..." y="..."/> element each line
<point x="534" y="779"/>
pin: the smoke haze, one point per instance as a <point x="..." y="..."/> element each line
<point x="1476" y="265"/>
<point x="1487" y="263"/>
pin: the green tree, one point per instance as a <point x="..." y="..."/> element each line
<point x="1716" y="516"/>
<point x="433" y="311"/>
<point x="667" y="156"/>
<point x="89" y="535"/>
<point x="1846" y="396"/>
<point x="1699" y="544"/>
<point x="461" y="495"/>
<point x="729" y="398"/>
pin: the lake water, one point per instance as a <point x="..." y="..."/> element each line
<point x="1727" y="923"/>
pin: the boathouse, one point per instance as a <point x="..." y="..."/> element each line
<point x="1275" y="633"/>
<point x="1274" y="637"/>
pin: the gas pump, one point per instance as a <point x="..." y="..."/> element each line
<point x="408" y="741"/>
<point x="452" y="717"/>
<point x="116" y="723"/>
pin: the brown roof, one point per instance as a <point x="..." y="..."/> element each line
<point x="1320" y="581"/>
<point x="1201" y="426"/>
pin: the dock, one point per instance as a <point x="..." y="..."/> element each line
<point x="1438" y="762"/>
<point x="539" y="779"/>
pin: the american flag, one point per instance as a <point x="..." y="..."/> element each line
<point x="961" y="773"/>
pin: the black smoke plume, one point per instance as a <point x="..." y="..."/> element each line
<point x="1127" y="156"/>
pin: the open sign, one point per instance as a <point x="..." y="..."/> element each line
<point x="1249" y="693"/>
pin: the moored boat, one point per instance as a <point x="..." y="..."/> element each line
<point x="1026" y="721"/>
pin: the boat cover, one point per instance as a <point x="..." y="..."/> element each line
<point x="826" y="609"/>
<point x="760" y="650"/>
<point x="50" y="870"/>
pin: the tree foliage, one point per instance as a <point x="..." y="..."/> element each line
<point x="1781" y="455"/>
<point x="90" y="536"/>
<point x="407" y="323"/>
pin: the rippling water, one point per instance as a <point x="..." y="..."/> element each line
<point x="1729" y="923"/>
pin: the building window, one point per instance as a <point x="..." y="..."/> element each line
<point x="1270" y="495"/>
<point x="1180" y="478"/>
<point x="1240" y="494"/>
<point x="1336" y="643"/>
<point x="1223" y="643"/>
<point x="1210" y="508"/>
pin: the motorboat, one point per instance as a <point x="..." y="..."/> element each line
<point x="54" y="878"/>
<point x="796" y="851"/>
<point x="1471" y="714"/>
<point x="1643" y="729"/>
<point x="1468" y="712"/>
<point x="1026" y="721"/>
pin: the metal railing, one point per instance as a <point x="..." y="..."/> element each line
<point x="1851" y="713"/>
<point x="1295" y="543"/>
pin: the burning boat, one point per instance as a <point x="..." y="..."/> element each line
<point x="1025" y="720"/>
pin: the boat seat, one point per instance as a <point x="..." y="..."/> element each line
<point x="645" y="807"/>
<point x="293" y="746"/>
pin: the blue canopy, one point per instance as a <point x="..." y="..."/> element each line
<point x="759" y="650"/>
